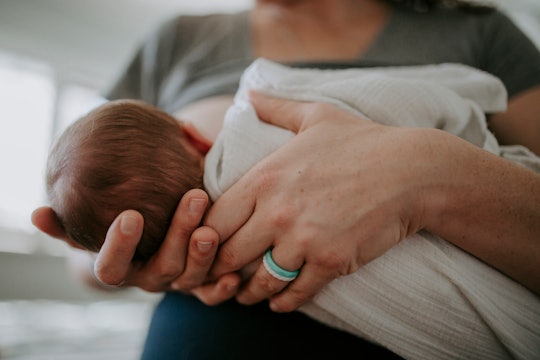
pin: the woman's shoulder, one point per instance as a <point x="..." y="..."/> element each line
<point x="486" y="39"/>
<point x="215" y="23"/>
<point x="460" y="13"/>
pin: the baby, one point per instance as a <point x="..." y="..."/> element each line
<point x="124" y="154"/>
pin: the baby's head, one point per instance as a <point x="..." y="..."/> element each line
<point x="123" y="155"/>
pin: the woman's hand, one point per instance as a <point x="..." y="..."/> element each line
<point x="181" y="264"/>
<point x="338" y="195"/>
<point x="345" y="190"/>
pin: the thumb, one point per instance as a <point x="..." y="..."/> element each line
<point x="113" y="260"/>
<point x="287" y="114"/>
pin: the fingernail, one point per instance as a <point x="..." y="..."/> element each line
<point x="231" y="288"/>
<point x="274" y="307"/>
<point x="204" y="246"/>
<point x="105" y="284"/>
<point x="128" y="225"/>
<point x="196" y="206"/>
<point x="175" y="286"/>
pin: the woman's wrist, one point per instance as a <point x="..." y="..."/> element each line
<point x="485" y="205"/>
<point x="429" y="184"/>
<point x="456" y="183"/>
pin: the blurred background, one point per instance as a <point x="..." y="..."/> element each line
<point x="55" y="57"/>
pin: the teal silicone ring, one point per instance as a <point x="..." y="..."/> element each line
<point x="278" y="269"/>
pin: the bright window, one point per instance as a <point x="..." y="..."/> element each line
<point x="34" y="108"/>
<point x="27" y="94"/>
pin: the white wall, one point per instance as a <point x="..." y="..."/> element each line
<point x="90" y="40"/>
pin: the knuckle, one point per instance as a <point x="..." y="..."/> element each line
<point x="283" y="217"/>
<point x="228" y="258"/>
<point x="333" y="262"/>
<point x="304" y="239"/>
<point x="199" y="262"/>
<point x="319" y="109"/>
<point x="266" y="175"/>
<point x="268" y="284"/>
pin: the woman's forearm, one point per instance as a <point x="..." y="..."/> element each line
<point x="486" y="205"/>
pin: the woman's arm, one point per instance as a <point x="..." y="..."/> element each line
<point x="353" y="189"/>
<point x="520" y="124"/>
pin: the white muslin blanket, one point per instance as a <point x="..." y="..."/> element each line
<point x="424" y="298"/>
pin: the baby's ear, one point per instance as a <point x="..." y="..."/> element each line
<point x="196" y="139"/>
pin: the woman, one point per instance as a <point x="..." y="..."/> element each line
<point x="192" y="58"/>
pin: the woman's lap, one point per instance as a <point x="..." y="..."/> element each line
<point x="184" y="328"/>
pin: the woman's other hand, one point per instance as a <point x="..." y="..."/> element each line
<point x="181" y="263"/>
<point x="327" y="210"/>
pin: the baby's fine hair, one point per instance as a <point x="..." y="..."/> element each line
<point x="122" y="155"/>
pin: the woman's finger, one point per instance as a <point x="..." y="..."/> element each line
<point x="280" y="266"/>
<point x="222" y="290"/>
<point x="309" y="282"/>
<point x="169" y="262"/>
<point x="202" y="250"/>
<point x="241" y="197"/>
<point x="113" y="262"/>
<point x="283" y="113"/>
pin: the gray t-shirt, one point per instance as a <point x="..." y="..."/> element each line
<point x="192" y="57"/>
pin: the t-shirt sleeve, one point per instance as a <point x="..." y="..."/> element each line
<point x="145" y="72"/>
<point x="510" y="54"/>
